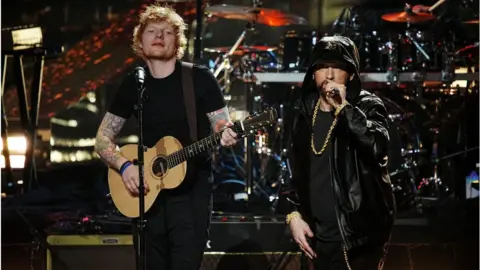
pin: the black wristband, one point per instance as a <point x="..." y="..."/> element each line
<point x="123" y="165"/>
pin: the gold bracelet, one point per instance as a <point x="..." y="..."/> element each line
<point x="292" y="215"/>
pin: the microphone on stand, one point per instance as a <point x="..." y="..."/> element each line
<point x="140" y="77"/>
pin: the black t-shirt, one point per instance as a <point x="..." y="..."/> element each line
<point x="321" y="190"/>
<point x="164" y="112"/>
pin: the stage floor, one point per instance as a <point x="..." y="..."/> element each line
<point x="445" y="237"/>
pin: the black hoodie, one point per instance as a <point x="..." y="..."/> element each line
<point x="344" y="47"/>
<point x="363" y="195"/>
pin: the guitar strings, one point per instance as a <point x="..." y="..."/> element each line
<point x="177" y="156"/>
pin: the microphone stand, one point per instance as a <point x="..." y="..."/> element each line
<point x="141" y="263"/>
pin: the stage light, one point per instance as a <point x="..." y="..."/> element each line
<point x="17" y="146"/>
<point x="460" y="83"/>
<point x="16" y="161"/>
<point x="26" y="38"/>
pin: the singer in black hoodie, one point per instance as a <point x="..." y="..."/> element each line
<point x="343" y="201"/>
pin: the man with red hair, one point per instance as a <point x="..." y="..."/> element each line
<point x="177" y="224"/>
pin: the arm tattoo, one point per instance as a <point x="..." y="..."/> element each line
<point x="219" y="118"/>
<point x="105" y="141"/>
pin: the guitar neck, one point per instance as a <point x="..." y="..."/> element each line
<point x="196" y="148"/>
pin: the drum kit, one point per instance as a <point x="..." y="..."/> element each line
<point x="424" y="78"/>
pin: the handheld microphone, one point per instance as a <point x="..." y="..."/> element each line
<point x="335" y="91"/>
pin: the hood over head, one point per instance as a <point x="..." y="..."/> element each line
<point x="335" y="49"/>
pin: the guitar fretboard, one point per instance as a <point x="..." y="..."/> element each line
<point x="196" y="148"/>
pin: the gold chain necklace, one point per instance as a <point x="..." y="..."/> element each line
<point x="332" y="127"/>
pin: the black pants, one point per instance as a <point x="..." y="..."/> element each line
<point x="177" y="228"/>
<point x="331" y="256"/>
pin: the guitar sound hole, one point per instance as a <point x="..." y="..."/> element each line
<point x="159" y="167"/>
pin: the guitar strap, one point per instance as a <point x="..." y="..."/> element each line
<point x="189" y="98"/>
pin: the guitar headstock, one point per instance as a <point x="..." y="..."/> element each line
<point x="258" y="120"/>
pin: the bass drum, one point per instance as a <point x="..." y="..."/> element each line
<point x="403" y="156"/>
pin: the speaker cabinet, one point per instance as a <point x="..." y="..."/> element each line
<point x="80" y="252"/>
<point x="100" y="252"/>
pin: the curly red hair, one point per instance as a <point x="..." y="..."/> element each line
<point x="158" y="13"/>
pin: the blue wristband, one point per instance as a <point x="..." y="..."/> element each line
<point x="125" y="166"/>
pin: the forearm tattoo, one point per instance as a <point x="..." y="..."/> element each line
<point x="105" y="140"/>
<point x="219" y="118"/>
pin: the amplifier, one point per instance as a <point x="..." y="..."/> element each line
<point x="79" y="252"/>
<point x="103" y="252"/>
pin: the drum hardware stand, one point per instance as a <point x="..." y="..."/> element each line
<point x="419" y="48"/>
<point x="198" y="46"/>
<point x="409" y="35"/>
<point x="448" y="72"/>
<point x="416" y="198"/>
<point x="28" y="114"/>
<point x="38" y="241"/>
<point x="341" y="21"/>
<point x="226" y="57"/>
<point x="247" y="77"/>
<point x="392" y="69"/>
<point x="250" y="26"/>
<point x="4" y="128"/>
<point x="249" y="141"/>
<point x="285" y="173"/>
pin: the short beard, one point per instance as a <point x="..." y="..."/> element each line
<point x="163" y="57"/>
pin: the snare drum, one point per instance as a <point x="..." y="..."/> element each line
<point x="295" y="50"/>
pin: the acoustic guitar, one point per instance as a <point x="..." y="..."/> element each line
<point x="166" y="163"/>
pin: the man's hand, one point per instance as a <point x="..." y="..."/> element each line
<point x="335" y="93"/>
<point x="229" y="137"/>
<point x="131" y="180"/>
<point x="420" y="9"/>
<point x="299" y="229"/>
<point x="220" y="119"/>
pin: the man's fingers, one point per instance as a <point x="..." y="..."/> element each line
<point x="131" y="188"/>
<point x="231" y="133"/>
<point x="309" y="251"/>
<point x="309" y="232"/>
<point x="134" y="181"/>
<point x="228" y="137"/>
<point x="306" y="247"/>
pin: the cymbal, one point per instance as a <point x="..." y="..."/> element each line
<point x="241" y="50"/>
<point x="404" y="17"/>
<point x="472" y="21"/>
<point x="270" y="17"/>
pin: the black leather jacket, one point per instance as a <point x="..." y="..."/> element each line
<point x="363" y="194"/>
